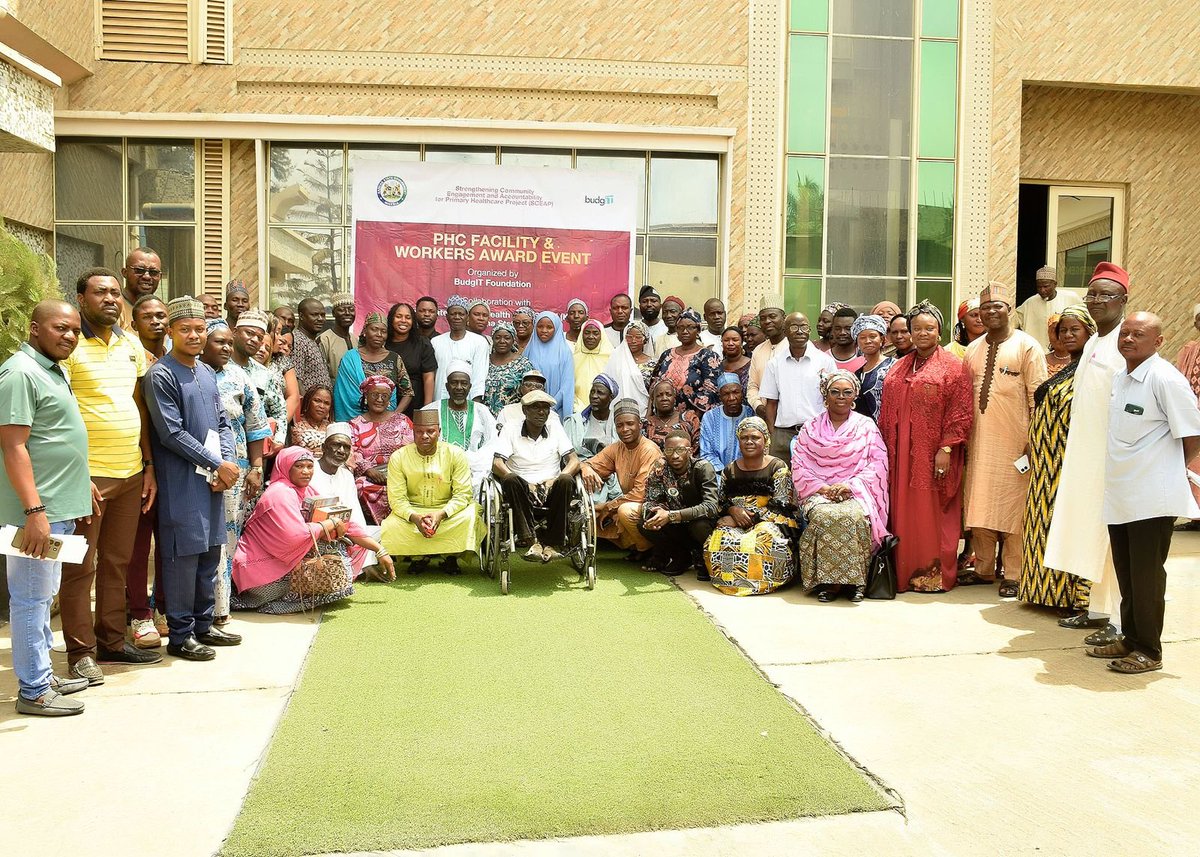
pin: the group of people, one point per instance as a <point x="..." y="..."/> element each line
<point x="270" y="461"/>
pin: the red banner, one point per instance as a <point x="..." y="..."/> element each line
<point x="539" y="267"/>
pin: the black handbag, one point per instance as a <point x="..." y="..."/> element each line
<point x="881" y="571"/>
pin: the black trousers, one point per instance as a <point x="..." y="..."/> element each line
<point x="558" y="503"/>
<point x="678" y="540"/>
<point x="1139" y="555"/>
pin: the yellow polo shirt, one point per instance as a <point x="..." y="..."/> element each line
<point x="103" y="376"/>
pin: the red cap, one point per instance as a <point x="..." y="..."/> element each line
<point x="1109" y="271"/>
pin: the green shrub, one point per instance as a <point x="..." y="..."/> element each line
<point x="26" y="277"/>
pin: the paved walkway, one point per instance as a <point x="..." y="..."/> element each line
<point x="992" y="729"/>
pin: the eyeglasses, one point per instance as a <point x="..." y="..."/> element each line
<point x="843" y="394"/>
<point x="804" y="328"/>
<point x="141" y="272"/>
<point x="1100" y="299"/>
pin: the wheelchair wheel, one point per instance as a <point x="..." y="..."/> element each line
<point x="504" y="581"/>
<point x="591" y="576"/>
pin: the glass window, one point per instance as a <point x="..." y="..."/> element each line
<point x="639" y="263"/>
<point x="863" y="293"/>
<point x="806" y="93"/>
<point x="871" y="97"/>
<point x="804" y="217"/>
<point x="461" y="154"/>
<point x="162" y="180"/>
<point x="939" y="99"/>
<point x="802" y="295"/>
<point x="935" y="219"/>
<point x="78" y="247"/>
<point x="939" y="19"/>
<point x="940" y="293"/>
<point x="873" y="17"/>
<point x="633" y="163"/>
<point x="306" y="184"/>
<point x="868" y="216"/>
<point x="516" y="157"/>
<point x="812" y="15"/>
<point x="683" y="193"/>
<point x="176" y="247"/>
<point x="683" y="265"/>
<point x="87" y="179"/>
<point x="305" y="263"/>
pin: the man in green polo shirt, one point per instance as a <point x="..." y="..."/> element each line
<point x="44" y="446"/>
<point x="104" y="372"/>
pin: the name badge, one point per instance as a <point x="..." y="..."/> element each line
<point x="1136" y="410"/>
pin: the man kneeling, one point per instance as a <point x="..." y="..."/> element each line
<point x="433" y="510"/>
<point x="682" y="502"/>
<point x="536" y="466"/>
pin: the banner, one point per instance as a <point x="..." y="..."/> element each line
<point x="514" y="236"/>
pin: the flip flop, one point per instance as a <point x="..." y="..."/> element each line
<point x="1134" y="663"/>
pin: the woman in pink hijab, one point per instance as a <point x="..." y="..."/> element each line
<point x="277" y="537"/>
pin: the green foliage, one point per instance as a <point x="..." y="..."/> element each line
<point x="26" y="277"/>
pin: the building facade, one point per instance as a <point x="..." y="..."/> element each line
<point x="830" y="150"/>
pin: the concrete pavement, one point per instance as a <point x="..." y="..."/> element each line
<point x="986" y="720"/>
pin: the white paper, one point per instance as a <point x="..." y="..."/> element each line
<point x="212" y="442"/>
<point x="73" y="549"/>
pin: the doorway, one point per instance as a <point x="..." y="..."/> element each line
<point x="1071" y="228"/>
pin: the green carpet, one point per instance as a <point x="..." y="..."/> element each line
<point x="434" y="710"/>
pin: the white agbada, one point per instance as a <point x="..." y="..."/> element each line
<point x="341" y="485"/>
<point x="1077" y="541"/>
<point x="472" y="348"/>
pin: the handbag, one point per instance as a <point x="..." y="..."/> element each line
<point x="319" y="574"/>
<point x="881" y="571"/>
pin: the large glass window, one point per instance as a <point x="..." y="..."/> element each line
<point x="310" y="219"/>
<point x="113" y="195"/>
<point x="870" y="136"/>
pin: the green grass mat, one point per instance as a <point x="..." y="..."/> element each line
<point x="434" y="710"/>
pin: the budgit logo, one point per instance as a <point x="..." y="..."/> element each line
<point x="391" y="190"/>
<point x="598" y="200"/>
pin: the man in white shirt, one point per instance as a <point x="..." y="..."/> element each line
<point x="1153" y="432"/>
<point x="536" y="467"/>
<point x="791" y="392"/>
<point x="460" y="344"/>
<point x="1033" y="316"/>
<point x="514" y="412"/>
<point x="466" y="424"/>
<point x="714" y="321"/>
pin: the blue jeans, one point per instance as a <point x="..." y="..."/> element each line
<point x="32" y="584"/>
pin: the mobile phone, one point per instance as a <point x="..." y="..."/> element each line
<point x="1022" y="464"/>
<point x="54" y="545"/>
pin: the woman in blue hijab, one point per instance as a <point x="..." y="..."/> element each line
<point x="549" y="351"/>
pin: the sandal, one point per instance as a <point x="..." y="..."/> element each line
<point x="1134" y="663"/>
<point x="534" y="554"/>
<point x="1008" y="589"/>
<point x="549" y="554"/>
<point x="970" y="578"/>
<point x="1119" y="649"/>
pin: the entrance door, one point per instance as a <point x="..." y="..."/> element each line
<point x="1084" y="226"/>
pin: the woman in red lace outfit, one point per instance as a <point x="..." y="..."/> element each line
<point x="925" y="420"/>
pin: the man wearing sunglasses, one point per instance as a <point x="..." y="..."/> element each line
<point x="142" y="274"/>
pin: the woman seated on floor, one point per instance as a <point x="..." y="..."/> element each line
<point x="277" y="539"/>
<point x="839" y="469"/>
<point x="750" y="552"/>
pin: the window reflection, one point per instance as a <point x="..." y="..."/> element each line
<point x="176" y="246"/>
<point x="873" y="17"/>
<point x="306" y="184"/>
<point x="516" y="157"/>
<point x="461" y="154"/>
<point x="868" y="216"/>
<point x="87" y="179"/>
<point x="935" y="218"/>
<point x="83" y="246"/>
<point x="871" y="97"/>
<point x="863" y="293"/>
<point x="683" y="265"/>
<point x="804" y="215"/>
<point x="162" y="180"/>
<point x="305" y="263"/>
<point x="683" y="193"/>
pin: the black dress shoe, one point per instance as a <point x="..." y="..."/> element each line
<point x="827" y="594"/>
<point x="191" y="650"/>
<point x="128" y="655"/>
<point x="217" y="637"/>
<point x="702" y="574"/>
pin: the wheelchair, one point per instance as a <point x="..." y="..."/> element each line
<point x="500" y="542"/>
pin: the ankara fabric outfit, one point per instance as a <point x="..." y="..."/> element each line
<point x="759" y="559"/>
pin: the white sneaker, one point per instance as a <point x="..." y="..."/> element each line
<point x="145" y="635"/>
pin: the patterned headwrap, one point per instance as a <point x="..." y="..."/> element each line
<point x="641" y="328"/>
<point x="184" y="307"/>
<point x="925" y="308"/>
<point x="1079" y="311"/>
<point x="474" y="302"/>
<point x="610" y="382"/>
<point x="236" y="287"/>
<point x="754" y="322"/>
<point x="827" y="379"/>
<point x="728" y="378"/>
<point x="252" y="318"/>
<point x="342" y="299"/>
<point x="457" y="301"/>
<point x="375" y="318"/>
<point x="376" y="381"/>
<point x="868" y="322"/>
<point x="691" y="315"/>
<point x="966" y="307"/>
<point x="523" y="310"/>
<point x="574" y="301"/>
<point x="215" y="323"/>
<point x="673" y="299"/>
<point x="834" y="307"/>
<point x="750" y="424"/>
<point x="506" y="326"/>
<point x="626" y="406"/>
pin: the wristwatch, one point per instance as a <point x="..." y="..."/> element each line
<point x="947" y="450"/>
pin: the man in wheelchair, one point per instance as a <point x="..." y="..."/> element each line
<point x="536" y="466"/>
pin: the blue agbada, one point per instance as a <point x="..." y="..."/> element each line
<point x="718" y="436"/>
<point x="184" y="405"/>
